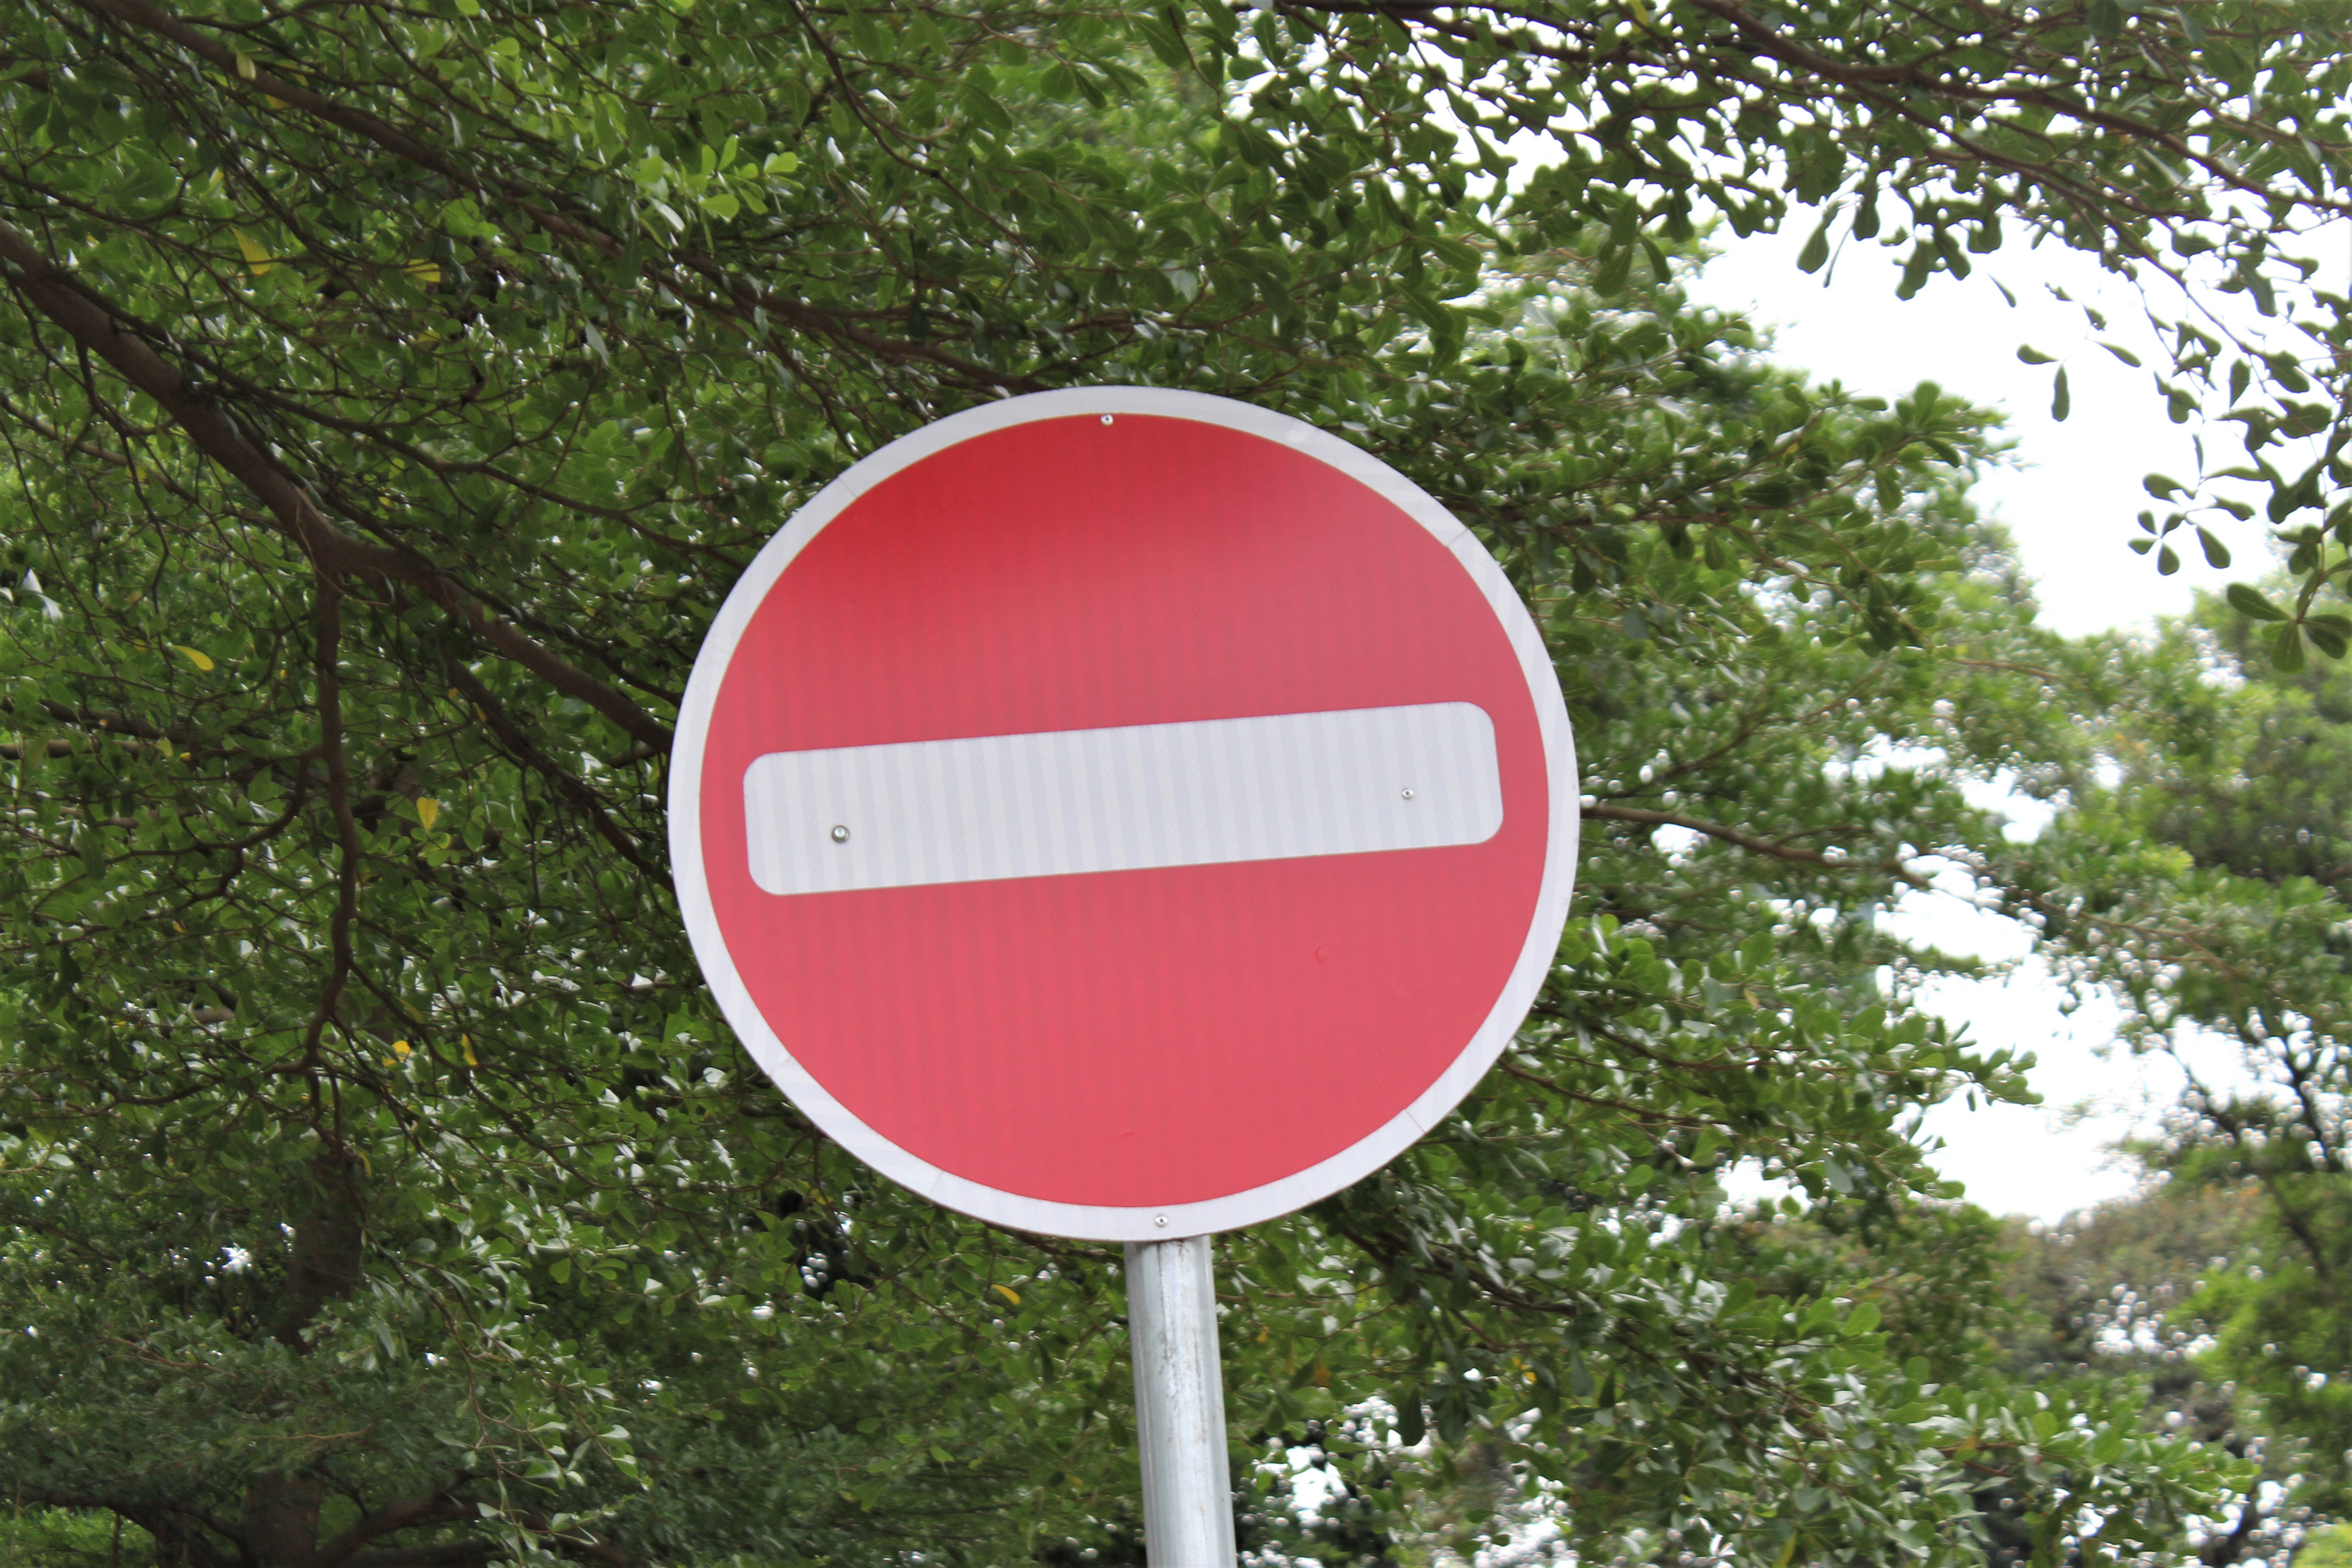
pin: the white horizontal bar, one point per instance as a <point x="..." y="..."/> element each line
<point x="1127" y="799"/>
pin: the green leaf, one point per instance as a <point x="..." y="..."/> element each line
<point x="2286" y="649"/>
<point x="1817" y="246"/>
<point x="2061" y="404"/>
<point x="2250" y="603"/>
<point x="1165" y="44"/>
<point x="1615" y="267"/>
<point x="2217" y="554"/>
<point x="1453" y="253"/>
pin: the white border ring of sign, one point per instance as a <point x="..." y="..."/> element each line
<point x="1156" y="1222"/>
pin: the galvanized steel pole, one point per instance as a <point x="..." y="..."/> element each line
<point x="1180" y="1403"/>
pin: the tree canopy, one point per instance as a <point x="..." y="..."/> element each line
<point x="2197" y="874"/>
<point x="392" y="393"/>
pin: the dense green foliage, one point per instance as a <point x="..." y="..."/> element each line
<point x="2115" y="1296"/>
<point x="392" y="394"/>
<point x="2200" y="873"/>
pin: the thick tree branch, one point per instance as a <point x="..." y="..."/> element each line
<point x="93" y="325"/>
<point x="51" y="290"/>
<point x="339" y="796"/>
<point x="435" y="1507"/>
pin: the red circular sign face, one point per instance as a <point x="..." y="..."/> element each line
<point x="1123" y="813"/>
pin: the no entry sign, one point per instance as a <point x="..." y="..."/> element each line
<point x="1123" y="813"/>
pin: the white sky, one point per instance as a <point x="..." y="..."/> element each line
<point x="2070" y="500"/>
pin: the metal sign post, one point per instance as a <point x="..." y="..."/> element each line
<point x="1073" y="775"/>
<point x="1180" y="1403"/>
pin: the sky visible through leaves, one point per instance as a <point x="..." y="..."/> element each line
<point x="2067" y="497"/>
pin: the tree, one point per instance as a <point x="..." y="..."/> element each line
<point x="2194" y="150"/>
<point x="392" y="395"/>
<point x="2327" y="1549"/>
<point x="2116" y="1294"/>
<point x="2199" y="874"/>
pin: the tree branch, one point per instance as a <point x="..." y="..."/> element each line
<point x="339" y="797"/>
<point x="335" y="554"/>
<point x="1892" y="867"/>
<point x="435" y="1507"/>
<point x="573" y="789"/>
<point x="734" y="292"/>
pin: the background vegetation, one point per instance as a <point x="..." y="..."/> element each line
<point x="392" y="394"/>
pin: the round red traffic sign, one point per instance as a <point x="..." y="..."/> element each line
<point x="1123" y="813"/>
